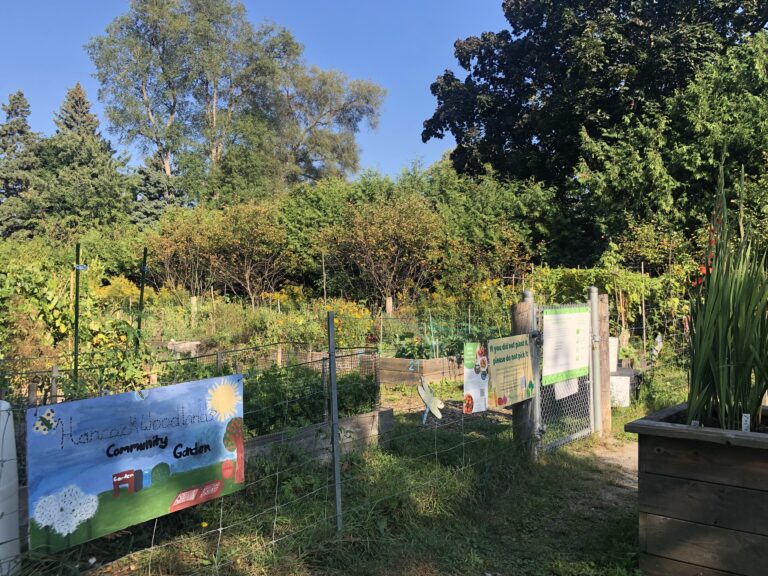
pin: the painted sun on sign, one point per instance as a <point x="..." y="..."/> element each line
<point x="223" y="399"/>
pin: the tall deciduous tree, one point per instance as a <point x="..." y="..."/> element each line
<point x="538" y="98"/>
<point x="319" y="112"/>
<point x="569" y="67"/>
<point x="231" y="62"/>
<point x="144" y="64"/>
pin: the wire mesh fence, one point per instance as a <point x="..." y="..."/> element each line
<point x="287" y="502"/>
<point x="565" y="416"/>
<point x="393" y="468"/>
<point x="565" y="408"/>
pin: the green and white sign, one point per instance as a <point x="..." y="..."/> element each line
<point x="476" y="376"/>
<point x="566" y="344"/>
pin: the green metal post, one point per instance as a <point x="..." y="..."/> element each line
<point x="141" y="296"/>
<point x="77" y="311"/>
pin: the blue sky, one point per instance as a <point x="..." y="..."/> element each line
<point x="401" y="45"/>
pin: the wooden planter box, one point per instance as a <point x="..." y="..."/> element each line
<point x="703" y="498"/>
<point x="408" y="371"/>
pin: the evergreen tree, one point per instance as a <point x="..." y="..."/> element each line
<point x="17" y="154"/>
<point x="18" y="160"/>
<point x="85" y="183"/>
<point x="153" y="193"/>
<point x="75" y="114"/>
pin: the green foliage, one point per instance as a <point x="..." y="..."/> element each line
<point x="231" y="108"/>
<point x="301" y="394"/>
<point x="75" y="114"/>
<point x="573" y="94"/>
<point x="388" y="249"/>
<point x="666" y="384"/>
<point x="729" y="334"/>
<point x="409" y="345"/>
<point x="18" y="160"/>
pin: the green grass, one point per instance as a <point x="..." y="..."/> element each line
<point x="429" y="501"/>
<point x="452" y="498"/>
<point x="664" y="385"/>
<point x="444" y="389"/>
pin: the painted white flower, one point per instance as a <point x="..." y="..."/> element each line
<point x="65" y="511"/>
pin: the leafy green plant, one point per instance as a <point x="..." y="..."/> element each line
<point x="412" y="346"/>
<point x="292" y="397"/>
<point x="729" y="335"/>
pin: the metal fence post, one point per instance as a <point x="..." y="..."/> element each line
<point x="77" y="314"/>
<point x="55" y="384"/>
<point x="325" y="387"/>
<point x="536" y="341"/>
<point x="335" y="419"/>
<point x="597" y="406"/>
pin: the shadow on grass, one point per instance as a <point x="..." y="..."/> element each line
<point x="452" y="497"/>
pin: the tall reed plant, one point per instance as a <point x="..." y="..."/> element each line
<point x="729" y="334"/>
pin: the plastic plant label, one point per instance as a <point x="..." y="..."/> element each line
<point x="745" y="422"/>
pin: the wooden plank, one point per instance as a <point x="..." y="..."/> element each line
<point x="712" y="504"/>
<point x="655" y="566"/>
<point x="605" y="372"/>
<point x="704" y="461"/>
<point x="429" y="379"/>
<point x="671" y="412"/>
<point x="447" y="374"/>
<point x="398" y="364"/>
<point x="391" y="377"/>
<point x="446" y="364"/>
<point x="654" y="425"/>
<point x="708" y="546"/>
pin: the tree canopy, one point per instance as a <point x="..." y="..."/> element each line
<point x="539" y="97"/>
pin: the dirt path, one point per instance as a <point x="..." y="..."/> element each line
<point x="618" y="461"/>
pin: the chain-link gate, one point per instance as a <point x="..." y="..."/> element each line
<point x="564" y="409"/>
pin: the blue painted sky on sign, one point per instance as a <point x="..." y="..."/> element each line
<point x="75" y="451"/>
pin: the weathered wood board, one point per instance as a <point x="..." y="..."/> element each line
<point x="411" y="371"/>
<point x="703" y="498"/>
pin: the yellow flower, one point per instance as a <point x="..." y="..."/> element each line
<point x="204" y="524"/>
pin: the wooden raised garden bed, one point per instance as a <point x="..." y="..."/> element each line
<point x="410" y="371"/>
<point x="703" y="498"/>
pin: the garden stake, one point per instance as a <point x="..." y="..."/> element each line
<point x="141" y="297"/>
<point x="77" y="310"/>
<point x="335" y="420"/>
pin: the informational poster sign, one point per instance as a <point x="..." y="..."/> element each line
<point x="566" y="344"/>
<point x="511" y="371"/>
<point x="476" y="375"/>
<point x="100" y="465"/>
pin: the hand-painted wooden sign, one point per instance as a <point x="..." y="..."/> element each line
<point x="99" y="465"/>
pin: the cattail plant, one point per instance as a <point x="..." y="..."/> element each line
<point x="728" y="340"/>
